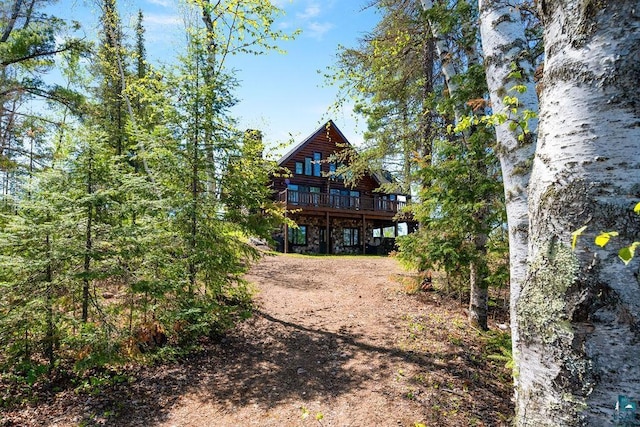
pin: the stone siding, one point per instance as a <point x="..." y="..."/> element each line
<point x="337" y="225"/>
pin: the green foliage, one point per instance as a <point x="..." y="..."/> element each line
<point x="127" y="231"/>
<point x="387" y="77"/>
<point x="433" y="134"/>
<point x="464" y="185"/>
<point x="626" y="253"/>
<point x="498" y="348"/>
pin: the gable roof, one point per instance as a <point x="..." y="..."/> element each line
<point x="328" y="125"/>
<point x="381" y="177"/>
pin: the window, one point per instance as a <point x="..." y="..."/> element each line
<point x="293" y="194"/>
<point x="317" y="158"/>
<point x="335" y="197"/>
<point x="333" y="167"/>
<point x="315" y="195"/>
<point x="389" y="232"/>
<point x="351" y="236"/>
<point x="354" y="199"/>
<point x="298" y="236"/>
<point x="299" y="168"/>
<point x="307" y="166"/>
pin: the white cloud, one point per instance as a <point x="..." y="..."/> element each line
<point x="161" y="20"/>
<point x="163" y="3"/>
<point x="281" y="4"/>
<point x="317" y="30"/>
<point x="310" y="11"/>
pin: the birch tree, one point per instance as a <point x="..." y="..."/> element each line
<point x="509" y="72"/>
<point x="440" y="19"/>
<point x="578" y="311"/>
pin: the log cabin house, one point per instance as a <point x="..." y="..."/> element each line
<point x="333" y="218"/>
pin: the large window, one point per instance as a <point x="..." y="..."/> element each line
<point x="354" y="199"/>
<point x="345" y="198"/>
<point x="298" y="236"/>
<point x="351" y="236"/>
<point x="299" y="168"/>
<point x="332" y="168"/>
<point x="293" y="195"/>
<point x="315" y="195"/>
<point x="307" y="166"/>
<point x="317" y="158"/>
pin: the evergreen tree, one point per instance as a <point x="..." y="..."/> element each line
<point x="410" y="108"/>
<point x="30" y="40"/>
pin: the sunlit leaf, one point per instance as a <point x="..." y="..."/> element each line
<point x="603" y="238"/>
<point x="637" y="208"/>
<point x="575" y="235"/>
<point x="626" y="254"/>
<point x="305" y="413"/>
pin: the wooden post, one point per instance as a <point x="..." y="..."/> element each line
<point x="327" y="235"/>
<point x="286" y="237"/>
<point x="286" y="226"/>
<point x="364" y="235"/>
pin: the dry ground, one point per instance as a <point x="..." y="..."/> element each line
<point x="336" y="341"/>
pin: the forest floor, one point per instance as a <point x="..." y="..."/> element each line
<point x="334" y="341"/>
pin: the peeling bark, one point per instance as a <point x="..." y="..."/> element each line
<point x="579" y="311"/>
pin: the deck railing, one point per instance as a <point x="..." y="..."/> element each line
<point x="336" y="201"/>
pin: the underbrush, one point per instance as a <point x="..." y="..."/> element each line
<point x="465" y="374"/>
<point x="93" y="359"/>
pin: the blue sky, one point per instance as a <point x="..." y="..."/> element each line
<point x="283" y="95"/>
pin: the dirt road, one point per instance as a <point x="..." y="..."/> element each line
<point x="335" y="342"/>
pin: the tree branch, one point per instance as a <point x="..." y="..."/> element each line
<point x="12" y="21"/>
<point x="40" y="54"/>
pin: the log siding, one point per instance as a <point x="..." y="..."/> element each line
<point x="322" y="202"/>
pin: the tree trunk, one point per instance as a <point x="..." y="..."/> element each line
<point x="578" y="310"/>
<point x="478" y="272"/>
<point x="478" y="298"/>
<point x="49" y="346"/>
<point x="88" y="244"/>
<point x="504" y="42"/>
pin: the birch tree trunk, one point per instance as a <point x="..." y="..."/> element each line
<point x="504" y="44"/>
<point x="579" y="311"/>
<point x="478" y="300"/>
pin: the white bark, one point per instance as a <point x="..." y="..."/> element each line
<point x="503" y="42"/>
<point x="478" y="299"/>
<point x="442" y="49"/>
<point x="579" y="311"/>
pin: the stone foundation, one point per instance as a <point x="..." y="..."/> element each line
<point x="336" y="226"/>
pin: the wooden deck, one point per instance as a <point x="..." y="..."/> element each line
<point x="377" y="206"/>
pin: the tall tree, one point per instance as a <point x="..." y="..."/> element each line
<point x="231" y="27"/>
<point x="392" y="77"/>
<point x="446" y="28"/>
<point x="30" y="40"/>
<point x="509" y="61"/>
<point x="578" y="311"/>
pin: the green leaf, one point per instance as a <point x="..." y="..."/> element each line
<point x="305" y="412"/>
<point x="603" y="238"/>
<point x="636" y="209"/>
<point x="575" y="235"/>
<point x="627" y="254"/>
<point x="519" y="88"/>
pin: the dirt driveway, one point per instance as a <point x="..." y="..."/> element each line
<point x="335" y="342"/>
